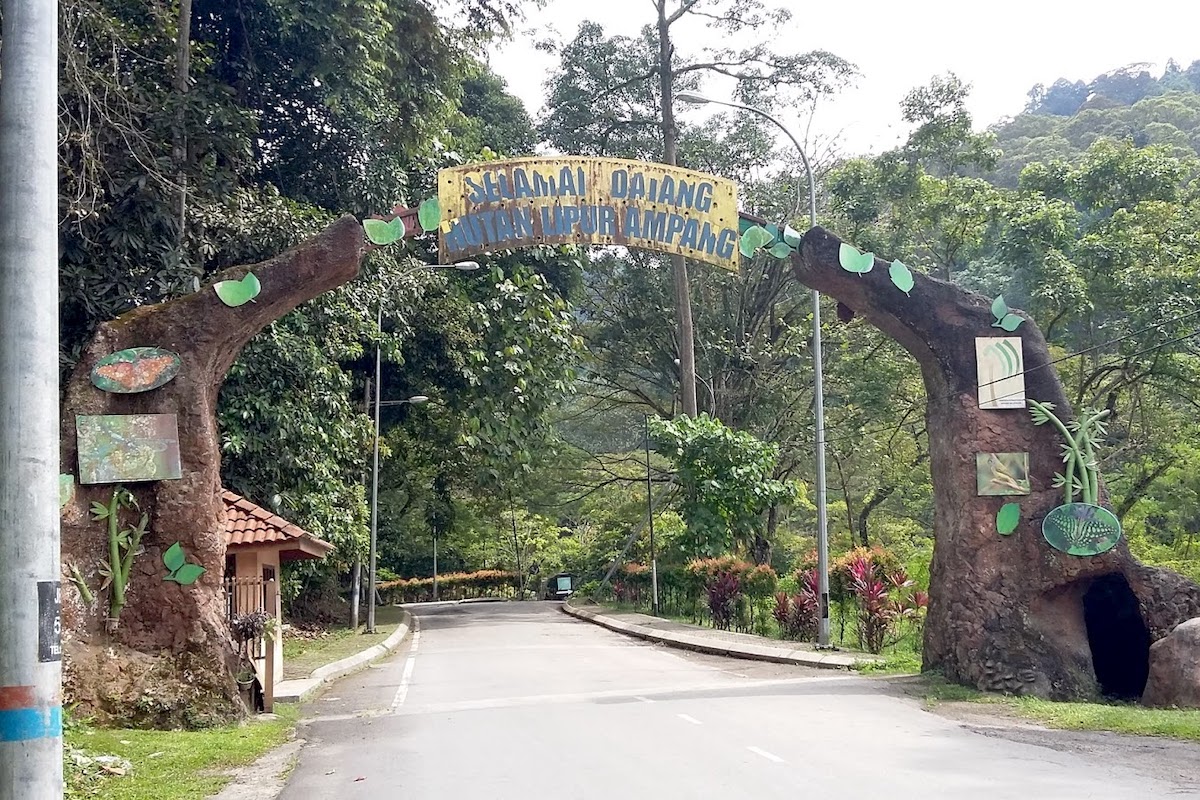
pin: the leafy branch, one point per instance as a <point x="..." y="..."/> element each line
<point x="123" y="545"/>
<point x="1079" y="451"/>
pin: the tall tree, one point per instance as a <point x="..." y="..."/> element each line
<point x="634" y="94"/>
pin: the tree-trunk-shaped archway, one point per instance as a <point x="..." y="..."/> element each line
<point x="1006" y="613"/>
<point x="170" y="656"/>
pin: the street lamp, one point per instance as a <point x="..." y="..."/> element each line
<point x="461" y="266"/>
<point x="695" y="98"/>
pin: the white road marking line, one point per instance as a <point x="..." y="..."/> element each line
<point x="643" y="699"/>
<point x="768" y="756"/>
<point x="690" y="719"/>
<point x="406" y="677"/>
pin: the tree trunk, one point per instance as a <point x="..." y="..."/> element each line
<point x="1006" y="613"/>
<point x="679" y="271"/>
<point x="183" y="54"/>
<point x="171" y="660"/>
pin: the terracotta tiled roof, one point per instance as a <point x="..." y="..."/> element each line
<point x="247" y="524"/>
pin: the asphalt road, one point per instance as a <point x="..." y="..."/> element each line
<point x="517" y="700"/>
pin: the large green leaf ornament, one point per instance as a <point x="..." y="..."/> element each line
<point x="384" y="233"/>
<point x="901" y="276"/>
<point x="238" y="293"/>
<point x="1004" y="319"/>
<point x="429" y="214"/>
<point x="854" y="261"/>
<point x="754" y="239"/>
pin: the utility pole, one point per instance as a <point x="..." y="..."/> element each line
<point x="374" y="482"/>
<point x="512" y="510"/>
<point x="650" y="521"/>
<point x="30" y="562"/>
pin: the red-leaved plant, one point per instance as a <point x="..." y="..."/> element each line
<point x="883" y="604"/>
<point x="723" y="590"/>
<point x="797" y="615"/>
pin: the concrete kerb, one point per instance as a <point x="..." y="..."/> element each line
<point x="299" y="690"/>
<point x="703" y="644"/>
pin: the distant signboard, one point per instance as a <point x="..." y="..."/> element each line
<point x="580" y="200"/>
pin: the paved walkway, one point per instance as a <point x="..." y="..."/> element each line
<point x="709" y="640"/>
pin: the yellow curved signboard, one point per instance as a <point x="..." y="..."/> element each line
<point x="502" y="205"/>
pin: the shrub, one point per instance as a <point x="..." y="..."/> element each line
<point x="884" y="603"/>
<point x="451" y="586"/>
<point x="797" y="615"/>
<point x="723" y="592"/>
<point x="759" y="582"/>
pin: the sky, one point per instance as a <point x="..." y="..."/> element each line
<point x="1001" y="49"/>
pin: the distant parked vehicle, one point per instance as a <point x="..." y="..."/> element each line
<point x="558" y="587"/>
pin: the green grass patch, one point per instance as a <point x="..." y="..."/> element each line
<point x="170" y="765"/>
<point x="304" y="653"/>
<point x="1176" y="723"/>
<point x="1125" y="718"/>
<point x="901" y="662"/>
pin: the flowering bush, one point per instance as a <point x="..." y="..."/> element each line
<point x="451" y="586"/>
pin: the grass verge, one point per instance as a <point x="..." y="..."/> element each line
<point x="169" y="765"/>
<point x="1128" y="718"/>
<point x="301" y="655"/>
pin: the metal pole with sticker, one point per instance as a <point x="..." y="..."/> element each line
<point x="30" y="627"/>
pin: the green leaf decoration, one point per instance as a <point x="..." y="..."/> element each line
<point x="999" y="310"/>
<point x="755" y="238"/>
<point x="66" y="490"/>
<point x="238" y="293"/>
<point x="1009" y="322"/>
<point x="854" y="261"/>
<point x="384" y="233"/>
<point x="781" y="250"/>
<point x="187" y="574"/>
<point x="429" y="214"/>
<point x="792" y="236"/>
<point x="773" y="229"/>
<point x="174" y="558"/>
<point x="1007" y="518"/>
<point x="901" y="276"/>
<point x="1081" y="529"/>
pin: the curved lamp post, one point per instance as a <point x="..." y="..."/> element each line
<point x="462" y="266"/>
<point x="695" y="98"/>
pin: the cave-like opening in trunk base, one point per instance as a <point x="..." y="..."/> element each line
<point x="1118" y="637"/>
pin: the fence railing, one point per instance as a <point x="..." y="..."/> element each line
<point x="245" y="595"/>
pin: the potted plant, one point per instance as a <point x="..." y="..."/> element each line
<point x="250" y="627"/>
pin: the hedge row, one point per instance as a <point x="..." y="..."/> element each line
<point x="451" y="586"/>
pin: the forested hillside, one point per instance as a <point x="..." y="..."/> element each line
<point x="1064" y="119"/>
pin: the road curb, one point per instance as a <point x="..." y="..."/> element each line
<point x="704" y="644"/>
<point x="303" y="688"/>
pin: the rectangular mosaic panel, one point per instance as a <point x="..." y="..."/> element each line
<point x="123" y="448"/>
<point x="999" y="474"/>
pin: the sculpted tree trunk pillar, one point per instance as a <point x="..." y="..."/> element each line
<point x="170" y="660"/>
<point x="1006" y="613"/>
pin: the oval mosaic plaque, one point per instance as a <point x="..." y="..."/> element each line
<point x="1081" y="529"/>
<point x="138" y="369"/>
